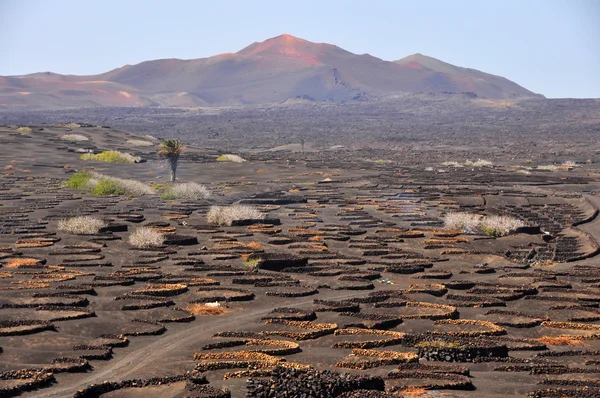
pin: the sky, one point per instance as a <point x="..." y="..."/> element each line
<point x="550" y="47"/>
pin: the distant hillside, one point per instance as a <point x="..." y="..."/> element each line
<point x="272" y="71"/>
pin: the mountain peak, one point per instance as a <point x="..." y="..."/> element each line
<point x="269" y="71"/>
<point x="285" y="45"/>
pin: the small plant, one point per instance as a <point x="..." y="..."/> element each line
<point x="145" y="237"/>
<point x="483" y="163"/>
<point x="23" y="263"/>
<point x="452" y="164"/>
<point x="438" y="344"/>
<point x="24" y="129"/>
<point x="548" y="167"/>
<point x="380" y="162"/>
<point x="252" y="262"/>
<point x="171" y="150"/>
<point x="225" y="215"/>
<point x="82" y="225"/>
<point x="188" y="190"/>
<point x="140" y="143"/>
<point x="254" y="246"/>
<point x="231" y="158"/>
<point x="69" y="125"/>
<point x="74" y="137"/>
<point x="111" y="157"/>
<point x="413" y="391"/>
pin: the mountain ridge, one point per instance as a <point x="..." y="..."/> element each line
<point x="270" y="71"/>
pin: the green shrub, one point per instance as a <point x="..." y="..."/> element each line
<point x="111" y="157"/>
<point x="100" y="184"/>
<point x="79" y="180"/>
<point x="108" y="187"/>
<point x="252" y="263"/>
<point x="161" y="187"/>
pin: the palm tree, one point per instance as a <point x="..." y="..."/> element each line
<point x="170" y="150"/>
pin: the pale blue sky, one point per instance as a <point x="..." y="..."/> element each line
<point x="548" y="46"/>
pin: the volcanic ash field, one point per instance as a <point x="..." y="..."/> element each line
<point x="342" y="277"/>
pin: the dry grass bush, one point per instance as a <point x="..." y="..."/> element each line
<point x="547" y="167"/>
<point x="523" y="171"/>
<point x="31" y="243"/>
<point x="74" y="137"/>
<point x="489" y="225"/>
<point x="413" y="391"/>
<point x="82" y="225"/>
<point x="561" y="340"/>
<point x="225" y="215"/>
<point x="230" y="158"/>
<point x="23" y="263"/>
<point x="139" y="143"/>
<point x="144" y="237"/>
<point x="186" y="190"/>
<point x="254" y="245"/>
<point x="479" y="163"/>
<point x="204" y="310"/>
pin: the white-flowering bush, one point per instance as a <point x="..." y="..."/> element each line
<point x="452" y="164"/>
<point x="225" y="215"/>
<point x="547" y="167"/>
<point x="82" y="225"/>
<point x="74" y="137"/>
<point x="483" y="163"/>
<point x="186" y="190"/>
<point x="230" y="158"/>
<point x="457" y="221"/>
<point x="145" y="237"/>
<point x="499" y="225"/>
<point x="488" y="225"/>
<point x="139" y="143"/>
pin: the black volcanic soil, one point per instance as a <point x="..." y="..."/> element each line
<point x="378" y="299"/>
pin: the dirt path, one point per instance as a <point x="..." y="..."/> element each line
<point x="124" y="368"/>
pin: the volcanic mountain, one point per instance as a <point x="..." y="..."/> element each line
<point x="272" y="71"/>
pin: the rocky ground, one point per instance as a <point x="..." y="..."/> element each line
<point x="358" y="290"/>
